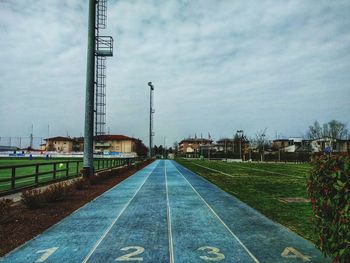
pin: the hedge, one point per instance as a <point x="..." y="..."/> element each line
<point x="329" y="191"/>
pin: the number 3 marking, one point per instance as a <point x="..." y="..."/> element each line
<point x="128" y="257"/>
<point x="295" y="254"/>
<point x="47" y="252"/>
<point x="214" y="252"/>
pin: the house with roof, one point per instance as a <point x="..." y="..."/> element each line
<point x="102" y="144"/>
<point x="192" y="145"/>
<point x="114" y="143"/>
<point x="57" y="144"/>
<point x="293" y="144"/>
<point x="329" y="144"/>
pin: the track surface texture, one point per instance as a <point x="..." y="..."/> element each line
<point x="166" y="213"/>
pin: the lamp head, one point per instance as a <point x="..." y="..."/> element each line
<point x="151" y="85"/>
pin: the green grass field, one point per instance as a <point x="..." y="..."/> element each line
<point x="23" y="171"/>
<point x="6" y="173"/>
<point x="261" y="185"/>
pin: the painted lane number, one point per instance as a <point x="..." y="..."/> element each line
<point x="213" y="252"/>
<point x="131" y="256"/>
<point x="46" y="254"/>
<point x="291" y="252"/>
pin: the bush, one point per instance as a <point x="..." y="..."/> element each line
<point x="57" y="192"/>
<point x="5" y="207"/>
<point x="32" y="198"/>
<point x="329" y="190"/>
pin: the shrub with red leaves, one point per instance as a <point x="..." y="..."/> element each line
<point x="329" y="191"/>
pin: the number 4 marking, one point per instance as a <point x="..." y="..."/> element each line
<point x="47" y="253"/>
<point x="296" y="254"/>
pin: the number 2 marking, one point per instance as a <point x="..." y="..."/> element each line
<point x="214" y="252"/>
<point x="129" y="256"/>
<point x="47" y="253"/>
<point x="296" y="254"/>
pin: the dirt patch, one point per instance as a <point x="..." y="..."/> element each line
<point x="24" y="224"/>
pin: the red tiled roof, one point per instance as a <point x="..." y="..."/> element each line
<point x="59" y="138"/>
<point x="194" y="140"/>
<point x="112" y="138"/>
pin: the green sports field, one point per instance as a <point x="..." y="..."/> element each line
<point x="23" y="171"/>
<point x="263" y="186"/>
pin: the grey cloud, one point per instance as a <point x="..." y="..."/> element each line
<point x="217" y="66"/>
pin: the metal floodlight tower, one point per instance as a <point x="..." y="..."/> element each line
<point x="151" y="112"/>
<point x="104" y="49"/>
<point x="98" y="48"/>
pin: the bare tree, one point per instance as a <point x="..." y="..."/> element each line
<point x="260" y="139"/>
<point x="333" y="129"/>
<point x="315" y="131"/>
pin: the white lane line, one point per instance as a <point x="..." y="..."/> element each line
<point x="247" y="168"/>
<point x="218" y="217"/>
<point x="260" y="170"/>
<point x="115" y="220"/>
<point x="171" y="249"/>
<point x="230" y="175"/>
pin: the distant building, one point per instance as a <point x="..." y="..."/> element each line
<point x="57" y="144"/>
<point x="102" y="144"/>
<point x="192" y="145"/>
<point x="4" y="148"/>
<point x="295" y="144"/>
<point x="115" y="143"/>
<point x="232" y="145"/>
<point x="330" y="144"/>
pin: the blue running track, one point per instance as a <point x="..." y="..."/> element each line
<point x="166" y="213"/>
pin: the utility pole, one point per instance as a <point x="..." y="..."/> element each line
<point x="263" y="147"/>
<point x="240" y="143"/>
<point x="31" y="138"/>
<point x="164" y="149"/>
<point x="151" y="112"/>
<point x="233" y="145"/>
<point x="89" y="94"/>
<point x="209" y="151"/>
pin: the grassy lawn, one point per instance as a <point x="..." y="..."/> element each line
<point x="261" y="185"/>
<point x="6" y="173"/>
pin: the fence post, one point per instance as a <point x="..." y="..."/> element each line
<point x="67" y="167"/>
<point x="13" y="178"/>
<point x="98" y="164"/>
<point x="36" y="174"/>
<point x="77" y="168"/>
<point x="54" y="171"/>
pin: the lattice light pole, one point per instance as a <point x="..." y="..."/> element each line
<point x="99" y="47"/>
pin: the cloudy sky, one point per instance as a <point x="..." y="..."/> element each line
<point x="217" y="66"/>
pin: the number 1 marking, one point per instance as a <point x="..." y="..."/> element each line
<point x="47" y="253"/>
<point x="296" y="254"/>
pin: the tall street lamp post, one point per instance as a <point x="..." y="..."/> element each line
<point x="151" y="111"/>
